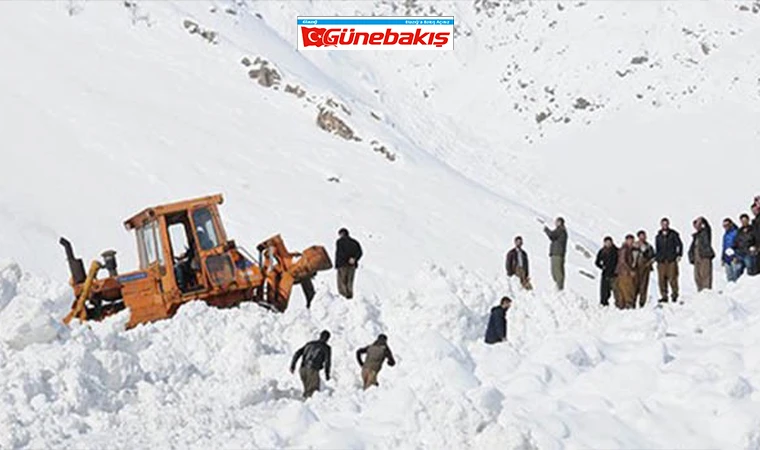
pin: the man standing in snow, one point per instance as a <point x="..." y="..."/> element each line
<point x="497" y="322"/>
<point x="348" y="252"/>
<point x="701" y="253"/>
<point x="727" y="255"/>
<point x="754" y="270"/>
<point x="744" y="248"/>
<point x="643" y="258"/>
<point x="668" y="252"/>
<point x="625" y="275"/>
<point x="517" y="264"/>
<point x="557" y="251"/>
<point x="376" y="353"/>
<point x="606" y="259"/>
<point x="316" y="356"/>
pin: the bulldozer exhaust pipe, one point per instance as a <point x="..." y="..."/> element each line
<point x="76" y="266"/>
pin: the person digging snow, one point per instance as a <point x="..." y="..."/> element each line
<point x="377" y="353"/>
<point x="316" y="356"/>
<point x="497" y="322"/>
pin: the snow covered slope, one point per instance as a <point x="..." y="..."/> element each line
<point x="110" y="107"/>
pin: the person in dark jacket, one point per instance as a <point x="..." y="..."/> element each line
<point x="625" y="275"/>
<point x="744" y="248"/>
<point x="497" y="322"/>
<point x="316" y="356"/>
<point x="348" y="252"/>
<point x="668" y="252"/>
<point x="730" y="231"/>
<point x="517" y="264"/>
<point x="701" y="253"/>
<point x="557" y="251"/>
<point x="643" y="259"/>
<point x="756" y="233"/>
<point x="376" y="353"/>
<point x="606" y="260"/>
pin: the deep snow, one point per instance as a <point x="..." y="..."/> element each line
<point x="109" y="109"/>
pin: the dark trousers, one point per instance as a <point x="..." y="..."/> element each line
<point x="605" y="290"/>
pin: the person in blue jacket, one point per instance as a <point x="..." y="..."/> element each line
<point x="497" y="322"/>
<point x="727" y="256"/>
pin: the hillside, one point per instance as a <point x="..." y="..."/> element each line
<point x="434" y="161"/>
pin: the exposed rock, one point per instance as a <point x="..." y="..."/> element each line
<point x="375" y="116"/>
<point x="639" y="60"/>
<point x="383" y="150"/>
<point x="334" y="180"/>
<point x="581" y="103"/>
<point x="194" y="28"/>
<point x="705" y="48"/>
<point x="245" y="61"/>
<point x="295" y="90"/>
<point x="262" y="72"/>
<point x="543" y="115"/>
<point x="330" y="122"/>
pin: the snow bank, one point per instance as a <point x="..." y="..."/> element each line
<point x="573" y="375"/>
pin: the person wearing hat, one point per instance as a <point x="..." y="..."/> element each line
<point x="317" y="355"/>
<point x="376" y="353"/>
<point x="348" y="252"/>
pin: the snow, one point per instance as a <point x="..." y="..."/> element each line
<point x="109" y="109"/>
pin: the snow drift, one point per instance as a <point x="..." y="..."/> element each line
<point x="114" y="106"/>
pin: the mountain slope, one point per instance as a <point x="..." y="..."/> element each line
<point x="112" y="107"/>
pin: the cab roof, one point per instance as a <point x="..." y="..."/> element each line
<point x="170" y="208"/>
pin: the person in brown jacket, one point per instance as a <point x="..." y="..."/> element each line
<point x="701" y="254"/>
<point x="643" y="260"/>
<point x="517" y="264"/>
<point x="376" y="353"/>
<point x="625" y="275"/>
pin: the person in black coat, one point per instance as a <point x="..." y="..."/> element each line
<point x="744" y="248"/>
<point x="606" y="259"/>
<point x="348" y="252"/>
<point x="497" y="322"/>
<point x="668" y="252"/>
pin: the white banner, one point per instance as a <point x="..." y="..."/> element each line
<point x="375" y="33"/>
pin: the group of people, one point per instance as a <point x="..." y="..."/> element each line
<point x="625" y="270"/>
<point x="316" y="356"/>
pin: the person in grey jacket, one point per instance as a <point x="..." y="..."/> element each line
<point x="557" y="251"/>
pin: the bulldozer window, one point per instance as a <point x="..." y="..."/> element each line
<point x="204" y="224"/>
<point x="178" y="237"/>
<point x="150" y="251"/>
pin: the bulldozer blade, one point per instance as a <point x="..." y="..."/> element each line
<point x="308" y="291"/>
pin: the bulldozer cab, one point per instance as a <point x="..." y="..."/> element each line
<point x="184" y="245"/>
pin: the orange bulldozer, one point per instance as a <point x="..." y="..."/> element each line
<point x="184" y="255"/>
